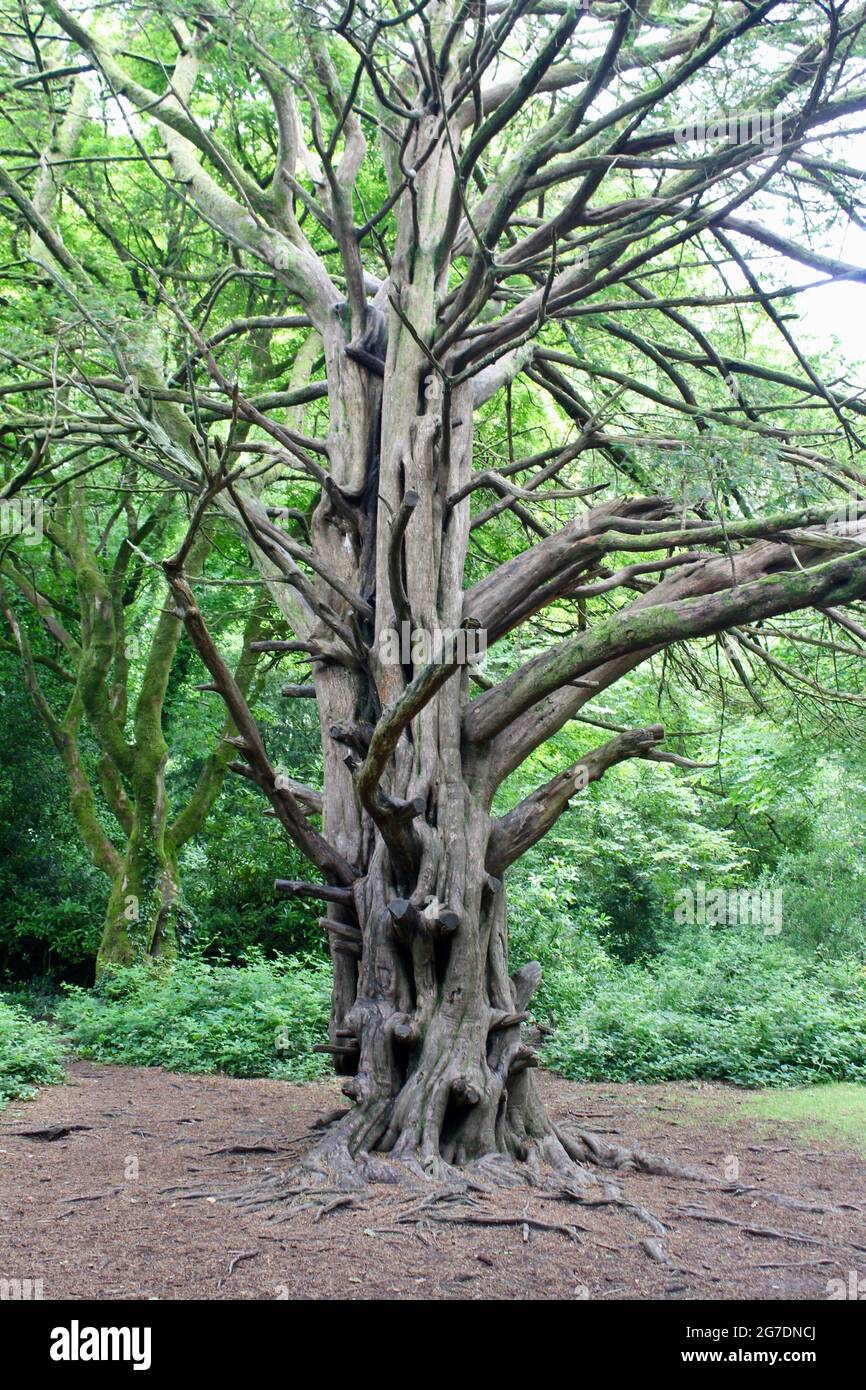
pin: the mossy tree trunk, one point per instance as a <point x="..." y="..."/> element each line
<point x="145" y="914"/>
<point x="144" y="908"/>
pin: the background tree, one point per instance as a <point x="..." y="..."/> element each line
<point x="436" y="207"/>
<point x="116" y="668"/>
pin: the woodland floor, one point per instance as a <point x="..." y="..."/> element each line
<point x="71" y="1215"/>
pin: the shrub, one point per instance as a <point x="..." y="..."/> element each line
<point x="30" y="1055"/>
<point x="257" y="1019"/>
<point x="726" y="1005"/>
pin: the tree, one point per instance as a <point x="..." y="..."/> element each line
<point x="117" y="678"/>
<point x="439" y="206"/>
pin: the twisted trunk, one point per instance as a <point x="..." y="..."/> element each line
<point x="439" y="1071"/>
<point x="425" y="1021"/>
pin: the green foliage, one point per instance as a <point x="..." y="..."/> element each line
<point x="823" y="877"/>
<point x="228" y="871"/>
<point x="635" y="997"/>
<point x="723" y="1004"/>
<point x="52" y="900"/>
<point x="30" y="1055"/>
<point x="257" y="1019"/>
<point x="228" y="877"/>
<point x="545" y="925"/>
<point x="618" y="856"/>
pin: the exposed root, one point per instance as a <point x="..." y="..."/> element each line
<point x="345" y="1171"/>
<point x="766" y="1232"/>
<point x="781" y="1199"/>
<point x="613" y="1197"/>
<point x="656" y="1251"/>
<point x="234" y="1262"/>
<point x="529" y="1223"/>
<point x="500" y="1171"/>
<point x="333" y="1178"/>
<point x="586" y="1147"/>
<point x="344" y="1200"/>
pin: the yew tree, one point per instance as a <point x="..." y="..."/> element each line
<point x="424" y="218"/>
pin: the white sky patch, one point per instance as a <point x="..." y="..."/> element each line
<point x="831" y="313"/>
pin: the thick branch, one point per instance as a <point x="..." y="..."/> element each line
<point x="513" y="834"/>
<point x="839" y="581"/>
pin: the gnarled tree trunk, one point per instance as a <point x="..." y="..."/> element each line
<point x="425" y="1021"/>
<point x="505" y="213"/>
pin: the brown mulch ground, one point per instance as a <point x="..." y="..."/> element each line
<point x="74" y="1213"/>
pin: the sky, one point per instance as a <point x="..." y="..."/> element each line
<point x="837" y="309"/>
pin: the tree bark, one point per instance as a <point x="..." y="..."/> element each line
<point x="144" y="912"/>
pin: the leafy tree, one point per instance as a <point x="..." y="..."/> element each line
<point x="90" y="609"/>
<point x="409" y="222"/>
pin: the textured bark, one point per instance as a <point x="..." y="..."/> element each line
<point x="144" y="915"/>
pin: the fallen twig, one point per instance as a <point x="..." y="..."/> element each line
<point x="235" y="1261"/>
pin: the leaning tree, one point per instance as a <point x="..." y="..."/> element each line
<point x="443" y="207"/>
